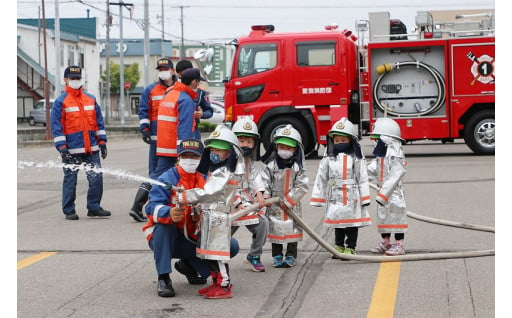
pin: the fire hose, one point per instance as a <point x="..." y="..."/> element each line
<point x="414" y="257"/>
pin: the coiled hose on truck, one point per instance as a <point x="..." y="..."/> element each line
<point x="385" y="69"/>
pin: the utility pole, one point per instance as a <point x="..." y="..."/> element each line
<point x="146" y="43"/>
<point x="162" y="45"/>
<point x="121" y="57"/>
<point x="182" y="48"/>
<point x="57" y="50"/>
<point x="107" y="84"/>
<point x="46" y="92"/>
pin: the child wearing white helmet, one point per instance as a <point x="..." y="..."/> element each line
<point x="255" y="182"/>
<point x="342" y="187"/>
<point x="220" y="196"/>
<point x="388" y="170"/>
<point x="284" y="160"/>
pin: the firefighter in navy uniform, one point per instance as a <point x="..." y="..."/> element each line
<point x="79" y="135"/>
<point x="148" y="112"/>
<point x="204" y="109"/>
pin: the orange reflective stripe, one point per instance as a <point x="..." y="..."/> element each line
<point x="211" y="252"/>
<point x="365" y="198"/>
<point x="321" y="200"/>
<point x="232" y="182"/>
<point x="279" y="237"/>
<point x="380" y="195"/>
<point x="391" y="226"/>
<point x="347" y="221"/>
<point x="381" y="176"/>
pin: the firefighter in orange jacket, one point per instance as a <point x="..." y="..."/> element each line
<point x="148" y="112"/>
<point x="79" y="136"/>
<point x="176" y="119"/>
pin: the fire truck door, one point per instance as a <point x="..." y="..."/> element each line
<point x="317" y="80"/>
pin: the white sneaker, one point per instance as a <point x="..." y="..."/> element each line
<point x="395" y="250"/>
<point x="381" y="248"/>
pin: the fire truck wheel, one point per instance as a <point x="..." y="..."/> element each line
<point x="479" y="133"/>
<point x="305" y="134"/>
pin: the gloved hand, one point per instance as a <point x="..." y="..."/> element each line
<point x="146" y="135"/>
<point x="103" y="150"/>
<point x="66" y="156"/>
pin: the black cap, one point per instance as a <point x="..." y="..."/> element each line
<point x="191" y="74"/>
<point x="192" y="145"/>
<point x="164" y="62"/>
<point x="73" y="71"/>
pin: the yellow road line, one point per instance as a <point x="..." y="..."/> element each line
<point x="384" y="293"/>
<point x="33" y="259"/>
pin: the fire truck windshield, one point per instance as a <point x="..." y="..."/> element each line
<point x="256" y="58"/>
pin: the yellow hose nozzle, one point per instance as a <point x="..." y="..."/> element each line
<point x="383" y="68"/>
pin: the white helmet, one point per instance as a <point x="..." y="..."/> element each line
<point x="222" y="133"/>
<point x="387" y="127"/>
<point x="244" y="126"/>
<point x="287" y="131"/>
<point x="343" y="127"/>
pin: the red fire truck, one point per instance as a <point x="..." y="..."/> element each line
<point x="437" y="85"/>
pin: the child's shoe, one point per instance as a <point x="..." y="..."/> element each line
<point x="219" y="292"/>
<point x="278" y="261"/>
<point x="339" y="249"/>
<point x="255" y="263"/>
<point x="381" y="248"/>
<point x="395" y="250"/>
<point x="349" y="251"/>
<point x="289" y="261"/>
<point x="204" y="291"/>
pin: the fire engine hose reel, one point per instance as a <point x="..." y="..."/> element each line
<point x="416" y="101"/>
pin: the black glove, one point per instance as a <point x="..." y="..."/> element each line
<point x="66" y="156"/>
<point x="103" y="150"/>
<point x="146" y="135"/>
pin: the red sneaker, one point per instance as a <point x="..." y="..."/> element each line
<point x="219" y="292"/>
<point x="204" y="291"/>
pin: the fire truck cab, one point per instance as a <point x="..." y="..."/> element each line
<point x="436" y="86"/>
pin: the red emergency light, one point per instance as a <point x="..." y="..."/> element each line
<point x="265" y="28"/>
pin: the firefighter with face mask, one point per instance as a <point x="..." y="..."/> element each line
<point x="148" y="112"/>
<point x="221" y="195"/>
<point x="387" y="170"/>
<point x="341" y="186"/>
<point x="288" y="181"/>
<point x="172" y="230"/>
<point x="255" y="182"/>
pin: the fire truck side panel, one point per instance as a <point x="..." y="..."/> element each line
<point x="413" y="91"/>
<point x="473" y="80"/>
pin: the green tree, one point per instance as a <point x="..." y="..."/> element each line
<point x="131" y="75"/>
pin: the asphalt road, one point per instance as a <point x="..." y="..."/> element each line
<point x="104" y="268"/>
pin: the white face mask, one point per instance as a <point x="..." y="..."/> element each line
<point x="164" y="75"/>
<point x="285" y="154"/>
<point x="189" y="165"/>
<point x="75" y="84"/>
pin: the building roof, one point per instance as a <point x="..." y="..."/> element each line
<point x="85" y="27"/>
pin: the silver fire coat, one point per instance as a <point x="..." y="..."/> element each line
<point x="290" y="185"/>
<point x="221" y="194"/>
<point x="255" y="179"/>
<point x="341" y="185"/>
<point x="388" y="173"/>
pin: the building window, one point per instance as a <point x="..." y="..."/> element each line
<point x="71" y="55"/>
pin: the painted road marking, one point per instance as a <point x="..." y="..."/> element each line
<point x="384" y="293"/>
<point x="33" y="259"/>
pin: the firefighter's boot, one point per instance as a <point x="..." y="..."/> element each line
<point x="140" y="199"/>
